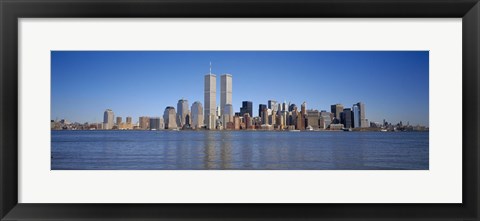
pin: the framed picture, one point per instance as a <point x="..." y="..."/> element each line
<point x="165" y="110"/>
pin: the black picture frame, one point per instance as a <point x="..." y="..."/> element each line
<point x="11" y="10"/>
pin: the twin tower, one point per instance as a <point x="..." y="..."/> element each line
<point x="225" y="112"/>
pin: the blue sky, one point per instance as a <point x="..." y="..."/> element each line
<point x="394" y="85"/>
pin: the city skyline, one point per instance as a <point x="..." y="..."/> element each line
<point x="294" y="84"/>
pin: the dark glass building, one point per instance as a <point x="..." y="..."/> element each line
<point x="261" y="107"/>
<point x="247" y="108"/>
<point x="346" y="118"/>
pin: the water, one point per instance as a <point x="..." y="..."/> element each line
<point x="239" y="150"/>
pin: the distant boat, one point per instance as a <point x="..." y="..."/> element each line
<point x="384" y="130"/>
<point x="294" y="130"/>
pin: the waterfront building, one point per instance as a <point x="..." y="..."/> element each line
<point x="313" y="118"/>
<point x="155" y="123"/>
<point x="284" y="106"/>
<point x="363" y="120"/>
<point x="247" y="107"/>
<point x="225" y="92"/>
<point x="300" y="124"/>
<point x="336" y="126"/>
<point x="197" y="115"/>
<point x="227" y="115"/>
<point x="118" y="121"/>
<point x="336" y="109"/>
<point x="248" y="121"/>
<point x="210" y="100"/>
<point x="325" y="119"/>
<point x="169" y="117"/>
<point x="356" y="116"/>
<point x="236" y="122"/>
<point x="182" y="113"/>
<point x="108" y="117"/>
<point x="346" y="118"/>
<point x="129" y="123"/>
<point x="261" y="107"/>
<point x="144" y="123"/>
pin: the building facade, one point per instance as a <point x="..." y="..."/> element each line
<point x="108" y="117"/>
<point x="210" y="100"/>
<point x="247" y="107"/>
<point x="169" y="117"/>
<point x="197" y="115"/>
<point x="336" y="110"/>
<point x="182" y="113"/>
<point x="144" y="123"/>
<point x="225" y="93"/>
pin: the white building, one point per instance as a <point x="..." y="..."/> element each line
<point x="210" y="100"/>
<point x="197" y="115"/>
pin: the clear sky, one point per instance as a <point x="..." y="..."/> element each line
<point x="394" y="85"/>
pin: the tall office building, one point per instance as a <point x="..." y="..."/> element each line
<point x="227" y="115"/>
<point x="325" y="119"/>
<point x="313" y="119"/>
<point x="356" y="116"/>
<point x="336" y="109"/>
<point x="169" y="117"/>
<point x="182" y="113"/>
<point x="108" y="119"/>
<point x="272" y="104"/>
<point x="210" y="100"/>
<point x="118" y="121"/>
<point x="197" y="115"/>
<point x="144" y="123"/>
<point x="304" y="108"/>
<point x="225" y="92"/>
<point x="346" y="118"/>
<point x="261" y="107"/>
<point x="247" y="107"/>
<point x="363" y="120"/>
<point x="155" y="123"/>
<point x="129" y="120"/>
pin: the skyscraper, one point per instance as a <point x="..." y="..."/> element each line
<point x="119" y="121"/>
<point x="108" y="119"/>
<point x="144" y="123"/>
<point x="225" y="93"/>
<point x="363" y="121"/>
<point x="227" y="115"/>
<point x="169" y="117"/>
<point x="336" y="109"/>
<point x="210" y="99"/>
<point x="303" y="108"/>
<point x="272" y="104"/>
<point x="155" y="123"/>
<point x="356" y="116"/>
<point x="346" y="118"/>
<point x="261" y="107"/>
<point x="197" y="115"/>
<point x="247" y="107"/>
<point x="182" y="112"/>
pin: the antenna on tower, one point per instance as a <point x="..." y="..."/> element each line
<point x="210" y="67"/>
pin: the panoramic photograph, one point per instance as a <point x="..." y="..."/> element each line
<point x="239" y="110"/>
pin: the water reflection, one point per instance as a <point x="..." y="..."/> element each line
<point x="167" y="150"/>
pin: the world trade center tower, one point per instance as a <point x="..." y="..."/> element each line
<point x="210" y="100"/>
